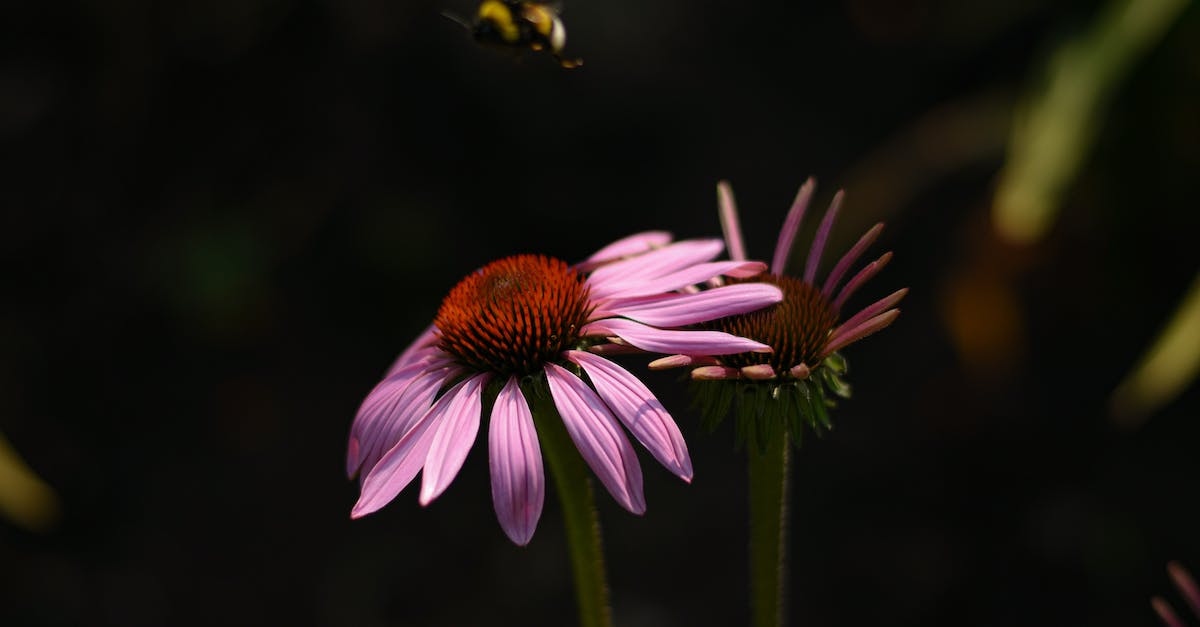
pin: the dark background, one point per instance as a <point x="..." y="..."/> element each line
<point x="222" y="220"/>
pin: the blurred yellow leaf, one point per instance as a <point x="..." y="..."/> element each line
<point x="25" y="499"/>
<point x="1054" y="128"/>
<point x="1170" y="365"/>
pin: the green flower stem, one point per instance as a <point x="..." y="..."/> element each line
<point x="574" y="487"/>
<point x="768" y="470"/>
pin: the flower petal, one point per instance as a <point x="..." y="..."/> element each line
<point x="682" y="342"/>
<point x="518" y="482"/>
<point x="390" y="409"/>
<point x="629" y="287"/>
<point x="598" y="437"/>
<point x="635" y="244"/>
<point x="455" y="434"/>
<point x="818" y="246"/>
<point x="868" y="312"/>
<point x="852" y="335"/>
<point x="729" y="222"/>
<point x="653" y="264"/>
<point x="676" y="310"/>
<point x="679" y="361"/>
<point x="401" y="463"/>
<point x="848" y="259"/>
<point x="787" y="235"/>
<point x="639" y="411"/>
<point x="715" y="373"/>
<point x="423" y="346"/>
<point x="859" y="279"/>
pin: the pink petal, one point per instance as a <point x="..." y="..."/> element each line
<point x="455" y="434"/>
<point x="729" y="222"/>
<point x="818" y="247"/>
<point x="1186" y="585"/>
<point x="391" y="408"/>
<point x="424" y="345"/>
<point x="679" y="361"/>
<point x="847" y="260"/>
<point x="518" y="483"/>
<point x="598" y="437"/>
<point x="676" y="310"/>
<point x="683" y="342"/>
<point x="715" y="373"/>
<point x="652" y="265"/>
<point x="850" y="336"/>
<point x="628" y="287"/>
<point x="872" y="310"/>
<point x="401" y="463"/>
<point x="787" y="234"/>
<point x="859" y="279"/>
<point x="633" y="245"/>
<point x="639" y="411"/>
<point x="759" y="372"/>
<point x="615" y="349"/>
<point x="1165" y="613"/>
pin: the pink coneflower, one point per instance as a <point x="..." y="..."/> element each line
<point x="805" y="330"/>
<point x="530" y="324"/>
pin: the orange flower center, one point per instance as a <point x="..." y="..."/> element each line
<point x="797" y="327"/>
<point x="513" y="315"/>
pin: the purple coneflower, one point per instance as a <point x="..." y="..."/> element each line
<point x="805" y="330"/>
<point x="532" y="325"/>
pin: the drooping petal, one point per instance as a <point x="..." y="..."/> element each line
<point x="639" y="411"/>
<point x="859" y="279"/>
<point x="676" y="310"/>
<point x="872" y="310"/>
<point x="391" y="408"/>
<point x="423" y="346"/>
<point x="852" y="335"/>
<point x="633" y="245"/>
<point x="401" y="463"/>
<point x="598" y="437"/>
<point x="456" y="432"/>
<point x="629" y="287"/>
<point x="818" y="247"/>
<point x="849" y="259"/>
<point x="683" y="342"/>
<point x="791" y="224"/>
<point x="729" y="222"/>
<point x="654" y="264"/>
<point x="518" y="482"/>
<point x="615" y="349"/>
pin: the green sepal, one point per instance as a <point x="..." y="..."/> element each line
<point x="784" y="405"/>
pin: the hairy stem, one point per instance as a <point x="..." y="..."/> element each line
<point x="576" y="497"/>
<point x="768" y="473"/>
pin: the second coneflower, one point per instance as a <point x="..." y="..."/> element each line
<point x="775" y="393"/>
<point x="798" y="378"/>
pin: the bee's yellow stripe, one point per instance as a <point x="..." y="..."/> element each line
<point x="495" y="12"/>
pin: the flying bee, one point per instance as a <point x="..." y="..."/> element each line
<point x="521" y="24"/>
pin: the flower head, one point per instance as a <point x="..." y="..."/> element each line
<point x="528" y="327"/>
<point x="805" y="330"/>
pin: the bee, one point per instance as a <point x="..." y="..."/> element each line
<point x="521" y="24"/>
